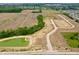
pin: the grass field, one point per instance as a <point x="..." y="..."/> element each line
<point x="17" y="42"/>
<point x="72" y="39"/>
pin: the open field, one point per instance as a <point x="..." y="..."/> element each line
<point x="15" y="20"/>
<point x="49" y="13"/>
<point x="48" y="38"/>
<point x="61" y="21"/>
<point x="59" y="41"/>
<point x="72" y="39"/>
<point x="37" y="30"/>
<point x="39" y="40"/>
<point x="24" y="30"/>
<point x="15" y="42"/>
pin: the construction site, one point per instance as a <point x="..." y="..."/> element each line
<point x="56" y="33"/>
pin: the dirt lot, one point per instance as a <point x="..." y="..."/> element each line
<point x="60" y="22"/>
<point x="58" y="40"/>
<point x="39" y="37"/>
<point x="49" y="13"/>
<point x="14" y="20"/>
<point x="26" y="18"/>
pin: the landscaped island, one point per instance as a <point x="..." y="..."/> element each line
<point x="23" y="30"/>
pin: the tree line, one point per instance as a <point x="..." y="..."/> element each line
<point x="10" y="10"/>
<point x="24" y="30"/>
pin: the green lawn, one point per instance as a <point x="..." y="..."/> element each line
<point x="72" y="39"/>
<point x="17" y="42"/>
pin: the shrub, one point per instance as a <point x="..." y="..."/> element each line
<point x="77" y="21"/>
<point x="68" y="15"/>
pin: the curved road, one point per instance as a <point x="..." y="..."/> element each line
<point x="49" y="45"/>
<point x="50" y="49"/>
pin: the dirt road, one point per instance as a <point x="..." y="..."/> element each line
<point x="50" y="48"/>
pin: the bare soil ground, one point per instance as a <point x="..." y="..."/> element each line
<point x="39" y="37"/>
<point x="26" y="18"/>
<point x="38" y="40"/>
<point x="58" y="40"/>
<point x="61" y="23"/>
<point x="76" y="29"/>
<point x="14" y="20"/>
<point x="49" y="13"/>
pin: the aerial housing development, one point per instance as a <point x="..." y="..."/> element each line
<point x="39" y="28"/>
